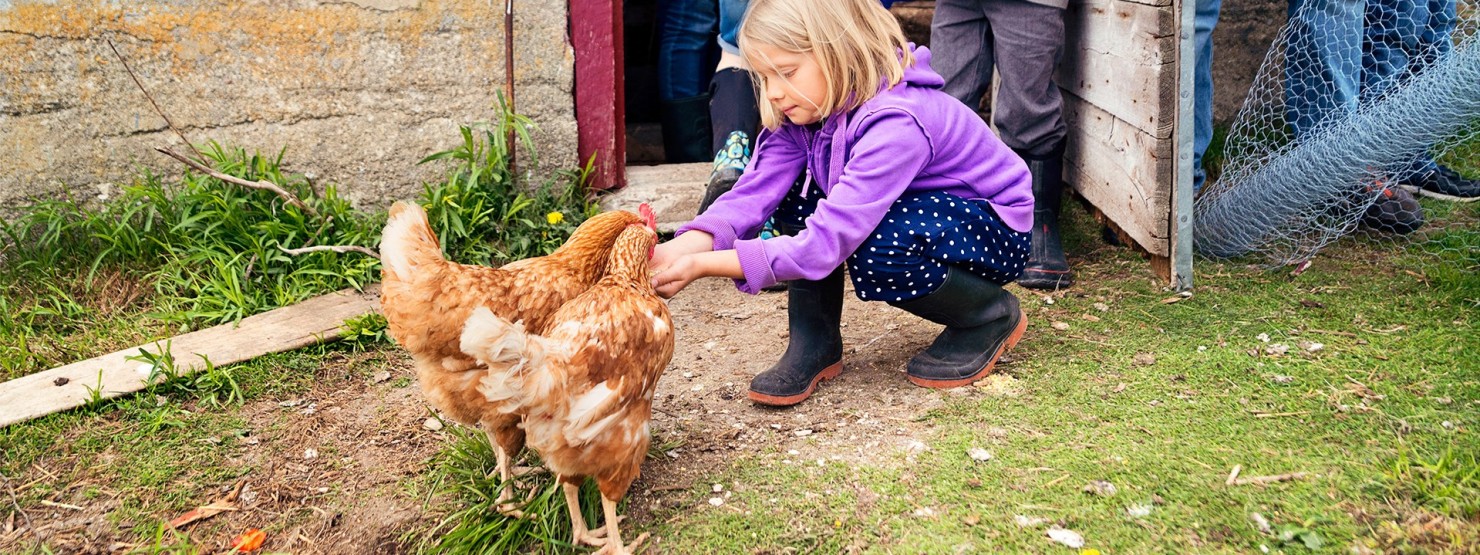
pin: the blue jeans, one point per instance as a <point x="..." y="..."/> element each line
<point x="1403" y="37"/>
<point x="1341" y="52"/>
<point x="1202" y="86"/>
<point x="685" y="55"/>
<point x="1322" y="61"/>
<point x="730" y="14"/>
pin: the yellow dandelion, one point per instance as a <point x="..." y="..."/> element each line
<point x="555" y="218"/>
<point x="1089" y="551"/>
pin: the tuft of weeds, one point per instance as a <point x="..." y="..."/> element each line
<point x="467" y="475"/>
<point x="1448" y="483"/>
<point x="484" y="214"/>
<point x="213" y="386"/>
<point x="366" y="332"/>
<point x="79" y="277"/>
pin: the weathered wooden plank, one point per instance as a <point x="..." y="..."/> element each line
<point x="1121" y="170"/>
<point x="1122" y="57"/>
<point x="1144" y="34"/>
<point x="111" y="375"/>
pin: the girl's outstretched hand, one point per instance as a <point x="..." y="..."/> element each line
<point x="665" y="254"/>
<point x="674" y="277"/>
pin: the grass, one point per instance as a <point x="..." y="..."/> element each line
<point x="474" y="525"/>
<point x="1365" y="415"/>
<point x="1382" y="415"/>
<point x="80" y="277"/>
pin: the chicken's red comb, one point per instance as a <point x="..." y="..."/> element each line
<point x="648" y="216"/>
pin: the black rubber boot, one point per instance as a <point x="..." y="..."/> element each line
<point x="982" y="322"/>
<point x="720" y="182"/>
<point x="685" y="125"/>
<point x="1047" y="268"/>
<point x="814" y="352"/>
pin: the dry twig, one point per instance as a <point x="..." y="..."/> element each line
<point x="17" y="504"/>
<point x="264" y="185"/>
<point x="1259" y="414"/>
<point x="151" y="100"/>
<point x="1233" y="474"/>
<point x="1262" y="480"/>
<point x="336" y="248"/>
<point x="61" y="505"/>
<point x="227" y="503"/>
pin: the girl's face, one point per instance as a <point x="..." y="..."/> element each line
<point x="793" y="84"/>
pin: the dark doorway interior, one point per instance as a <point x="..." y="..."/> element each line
<point x="643" y="37"/>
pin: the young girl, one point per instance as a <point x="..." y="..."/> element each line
<point x="864" y="160"/>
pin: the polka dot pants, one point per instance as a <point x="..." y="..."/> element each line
<point x="907" y="256"/>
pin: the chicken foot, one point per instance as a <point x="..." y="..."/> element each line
<point x="613" y="534"/>
<point x="579" y="533"/>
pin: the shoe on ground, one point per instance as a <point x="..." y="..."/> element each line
<point x="1396" y="211"/>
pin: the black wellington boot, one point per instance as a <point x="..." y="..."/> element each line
<point x="685" y="126"/>
<point x="814" y="351"/>
<point x="982" y="322"/>
<point x="1047" y="268"/>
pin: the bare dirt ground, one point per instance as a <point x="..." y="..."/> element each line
<point x="335" y="462"/>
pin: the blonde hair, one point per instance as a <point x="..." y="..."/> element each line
<point x="857" y="44"/>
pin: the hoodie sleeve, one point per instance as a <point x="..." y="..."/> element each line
<point x="888" y="150"/>
<point x="742" y="211"/>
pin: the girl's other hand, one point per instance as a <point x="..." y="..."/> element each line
<point x="669" y="252"/>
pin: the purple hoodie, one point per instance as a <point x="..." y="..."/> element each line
<point x="909" y="138"/>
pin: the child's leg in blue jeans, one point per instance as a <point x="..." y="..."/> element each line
<point x="945" y="259"/>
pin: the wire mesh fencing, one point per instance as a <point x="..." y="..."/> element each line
<point x="1364" y="121"/>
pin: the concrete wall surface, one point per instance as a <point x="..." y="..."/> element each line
<point x="357" y="90"/>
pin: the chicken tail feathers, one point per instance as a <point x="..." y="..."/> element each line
<point x="517" y="372"/>
<point x="408" y="241"/>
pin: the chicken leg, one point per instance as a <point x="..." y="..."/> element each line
<point x="579" y="533"/>
<point x="613" y="535"/>
<point x="505" y="483"/>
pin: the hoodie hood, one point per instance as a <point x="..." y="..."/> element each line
<point x="920" y="74"/>
<point x="836" y="133"/>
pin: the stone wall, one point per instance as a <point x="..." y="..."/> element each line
<point x="357" y="90"/>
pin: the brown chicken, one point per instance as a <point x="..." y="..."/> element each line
<point x="585" y="388"/>
<point x="426" y="299"/>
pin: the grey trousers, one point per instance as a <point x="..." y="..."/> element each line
<point x="1024" y="42"/>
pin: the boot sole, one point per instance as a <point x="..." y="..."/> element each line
<point x="1012" y="341"/>
<point x="788" y="400"/>
<point x="1054" y="279"/>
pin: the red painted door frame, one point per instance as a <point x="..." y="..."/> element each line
<point x="601" y="124"/>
